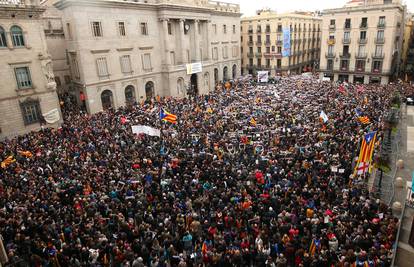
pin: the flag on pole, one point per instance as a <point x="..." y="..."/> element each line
<point x="166" y="116"/>
<point x="362" y="119"/>
<point x="323" y="116"/>
<point x="253" y="121"/>
<point x="365" y="153"/>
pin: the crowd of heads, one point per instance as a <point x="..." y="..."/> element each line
<point x="216" y="189"/>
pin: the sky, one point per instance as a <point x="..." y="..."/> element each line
<point x="249" y="7"/>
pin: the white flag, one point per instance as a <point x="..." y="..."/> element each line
<point x="323" y="116"/>
<point x="52" y="116"/>
<point x="138" y="129"/>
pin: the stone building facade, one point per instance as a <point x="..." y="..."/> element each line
<point x="262" y="42"/>
<point x="362" y="42"/>
<point x="27" y="89"/>
<point x="125" y="51"/>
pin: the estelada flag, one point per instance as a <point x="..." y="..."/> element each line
<point x="166" y="116"/>
<point x="367" y="147"/>
<point x="253" y="121"/>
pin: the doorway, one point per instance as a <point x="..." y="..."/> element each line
<point x="194" y="86"/>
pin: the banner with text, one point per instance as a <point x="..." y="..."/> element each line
<point x="286" y="42"/>
<point x="194" y="68"/>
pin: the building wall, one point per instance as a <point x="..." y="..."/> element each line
<point x="304" y="52"/>
<point x="33" y="56"/>
<point x="166" y="70"/>
<point x="394" y="24"/>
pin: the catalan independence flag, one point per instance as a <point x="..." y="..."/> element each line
<point x="362" y="119"/>
<point x="253" y="122"/>
<point x="166" y="116"/>
<point x="367" y="148"/>
<point x="315" y="246"/>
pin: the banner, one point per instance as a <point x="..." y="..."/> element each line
<point x="139" y="129"/>
<point x="52" y="116"/>
<point x="262" y="76"/>
<point x="286" y="42"/>
<point x="194" y="68"/>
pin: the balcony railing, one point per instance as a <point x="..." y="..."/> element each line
<point x="345" y="55"/>
<point x="279" y="42"/>
<point x="347" y="26"/>
<point x="267" y="42"/>
<point x="272" y="55"/>
<point x="361" y="55"/>
<point x="378" y="55"/>
<point x="359" y="69"/>
<point x="332" y="27"/>
<point x="331" y="41"/>
<point x="259" y="30"/>
<point x="381" y="25"/>
<point x="362" y="41"/>
<point x="379" y="40"/>
<point x="376" y="70"/>
<point x="250" y="55"/>
<point x="346" y="40"/>
<point x="250" y="43"/>
<point x="250" y="31"/>
<point x="259" y="43"/>
<point x="259" y="55"/>
<point x="267" y="30"/>
<point x="344" y="68"/>
<point x="363" y="26"/>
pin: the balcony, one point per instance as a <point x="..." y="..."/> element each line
<point x="381" y="25"/>
<point x="259" y="67"/>
<point x="250" y="43"/>
<point x="259" y="30"/>
<point x="250" y="55"/>
<point x="259" y="43"/>
<point x="379" y="40"/>
<point x="267" y="42"/>
<point x="272" y="55"/>
<point x="363" y="26"/>
<point x="347" y="26"/>
<point x="378" y="56"/>
<point x="346" y="40"/>
<point x="359" y="69"/>
<point x="249" y="66"/>
<point x="344" y="68"/>
<point x="376" y="70"/>
<point x="250" y="31"/>
<point x="345" y="55"/>
<point x="361" y="55"/>
<point x="332" y="27"/>
<point x="258" y="55"/>
<point x="362" y="41"/>
<point x="331" y="41"/>
<point x="267" y="30"/>
<point x="267" y="67"/>
<point x="279" y="42"/>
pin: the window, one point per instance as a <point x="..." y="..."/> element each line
<point x="330" y="49"/>
<point x="273" y="48"/>
<point x="259" y="62"/>
<point x="172" y="57"/>
<point x="214" y="28"/>
<point x="267" y="39"/>
<point x="376" y="66"/>
<point x="215" y="53"/>
<point x="224" y="28"/>
<point x="17" y="36"/>
<point x="332" y="22"/>
<point x="251" y="61"/>
<point x="146" y="61"/>
<point x="30" y="111"/>
<point x="345" y="50"/>
<point x="378" y="50"/>
<point x="235" y="51"/>
<point x="259" y="39"/>
<point x="259" y="50"/>
<point x="279" y="28"/>
<point x="347" y="24"/>
<point x="67" y="79"/>
<point x="267" y="28"/>
<point x="361" y="50"/>
<point x="268" y="49"/>
<point x="360" y="65"/>
<point x="23" y="77"/>
<point x="268" y="63"/>
<point x="102" y="68"/>
<point x="331" y="37"/>
<point x="380" y="35"/>
<point x="169" y="25"/>
<point x="126" y="64"/>
<point x="330" y="64"/>
<point x="259" y="28"/>
<point x="96" y="29"/>
<point x="279" y="49"/>
<point x="69" y="30"/>
<point x="347" y="36"/>
<point x="121" y="28"/>
<point x="381" y="21"/>
<point x="364" y="22"/>
<point x="279" y="37"/>
<point x="250" y="38"/>
<point x="57" y="81"/>
<point x="144" y="28"/>
<point x="279" y="63"/>
<point x="251" y="50"/>
<point x="344" y="64"/>
<point x="234" y="29"/>
<point x="363" y="35"/>
<point x="3" y="42"/>
<point x="225" y="52"/>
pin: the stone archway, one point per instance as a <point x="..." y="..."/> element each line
<point x="130" y="97"/>
<point x="225" y="74"/>
<point x="234" y="71"/>
<point x="149" y="90"/>
<point x="194" y="84"/>
<point x="107" y="99"/>
<point x="216" y="78"/>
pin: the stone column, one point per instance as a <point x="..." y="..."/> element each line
<point x="197" y="40"/>
<point x="209" y="52"/>
<point x="167" y="59"/>
<point x="182" y="44"/>
<point x="9" y="40"/>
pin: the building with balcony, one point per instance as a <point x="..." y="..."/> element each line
<point x="362" y="41"/>
<point x="408" y="50"/>
<point x="121" y="52"/>
<point x="262" y="42"/>
<point x="28" y="96"/>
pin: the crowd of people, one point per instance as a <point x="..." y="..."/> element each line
<point x="248" y="176"/>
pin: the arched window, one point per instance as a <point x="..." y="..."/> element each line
<point x="149" y="90"/>
<point x="234" y="71"/>
<point x="180" y="86"/>
<point x="17" y="36"/>
<point x="107" y="99"/>
<point x="130" y="94"/>
<point x="225" y="74"/>
<point x="3" y="42"/>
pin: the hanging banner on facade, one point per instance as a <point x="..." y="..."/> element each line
<point x="52" y="116"/>
<point x="262" y="76"/>
<point x="194" y="68"/>
<point x="286" y="42"/>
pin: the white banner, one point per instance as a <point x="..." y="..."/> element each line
<point x="52" y="116"/>
<point x="262" y="76"/>
<point x="194" y="68"/>
<point x="139" y="129"/>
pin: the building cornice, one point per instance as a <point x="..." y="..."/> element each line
<point x="62" y="4"/>
<point x="328" y="12"/>
<point x="21" y="12"/>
